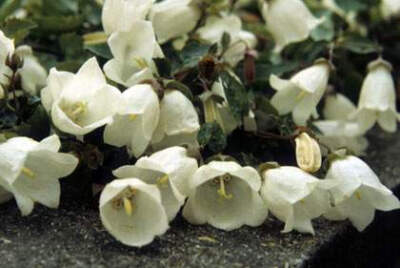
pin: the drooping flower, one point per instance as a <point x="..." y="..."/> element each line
<point x="174" y="18"/>
<point x="240" y="40"/>
<point x="133" y="51"/>
<point x="294" y="197"/>
<point x="80" y="103"/>
<point x="6" y="50"/>
<point x="308" y="153"/>
<point x="217" y="111"/>
<point x="33" y="75"/>
<point x="136" y="120"/>
<point x="338" y="131"/>
<point x="225" y="195"/>
<point x="132" y="212"/>
<point x="301" y="94"/>
<point x="30" y="170"/>
<point x="170" y="170"/>
<point x="289" y="21"/>
<point x="119" y="15"/>
<point x="357" y="192"/>
<point x="377" y="101"/>
<point x="179" y="122"/>
<point x="390" y="8"/>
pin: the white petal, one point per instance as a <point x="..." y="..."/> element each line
<point x="56" y="82"/>
<point x="147" y="221"/>
<point x="385" y="201"/>
<point x="388" y="121"/>
<point x="338" y="107"/>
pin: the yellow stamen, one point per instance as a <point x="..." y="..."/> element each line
<point x="358" y="195"/>
<point x="140" y="62"/>
<point x="301" y="95"/>
<point x="128" y="205"/>
<point x="132" y="116"/>
<point x="221" y="191"/>
<point x="163" y="181"/>
<point x="28" y="172"/>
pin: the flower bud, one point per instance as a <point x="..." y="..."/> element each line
<point x="308" y="153"/>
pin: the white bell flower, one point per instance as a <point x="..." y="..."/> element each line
<point x="80" y="103"/>
<point x="170" y="170"/>
<point x="338" y="131"/>
<point x="133" y="51"/>
<point x="225" y="195"/>
<point x="241" y="40"/>
<point x="6" y="49"/>
<point x="132" y="212"/>
<point x="30" y="170"/>
<point x="119" y="15"/>
<point x="136" y="120"/>
<point x="33" y="75"/>
<point x="4" y="195"/>
<point x="294" y="197"/>
<point x="357" y="192"/>
<point x="377" y="102"/>
<point x="289" y="21"/>
<point x="179" y="122"/>
<point x="174" y="18"/>
<point x="390" y="8"/>
<point x="302" y="93"/>
<point x="219" y="112"/>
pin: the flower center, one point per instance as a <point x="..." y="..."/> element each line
<point x="76" y="110"/>
<point x="358" y="195"/>
<point x="132" y="117"/>
<point x="301" y="95"/>
<point x="140" y="62"/>
<point x="163" y="181"/>
<point x="28" y="172"/>
<point x="125" y="200"/>
<point x="222" y="191"/>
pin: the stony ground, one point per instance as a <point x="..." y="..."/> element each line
<point x="74" y="237"/>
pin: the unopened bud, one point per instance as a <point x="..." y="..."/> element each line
<point x="308" y="153"/>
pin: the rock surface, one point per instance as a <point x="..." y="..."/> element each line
<point x="74" y="237"/>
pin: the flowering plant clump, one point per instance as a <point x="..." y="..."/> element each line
<point x="223" y="111"/>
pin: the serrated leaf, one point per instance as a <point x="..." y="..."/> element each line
<point x="212" y="137"/>
<point x="236" y="95"/>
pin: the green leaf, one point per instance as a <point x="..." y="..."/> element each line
<point x="357" y="44"/>
<point x="192" y="53"/>
<point x="17" y="29"/>
<point x="181" y="87"/>
<point x="236" y="95"/>
<point x="101" y="50"/>
<point x="8" y="7"/>
<point x="212" y="137"/>
<point x="356" y="5"/>
<point x="326" y="30"/>
<point x="60" y="7"/>
<point x="58" y="24"/>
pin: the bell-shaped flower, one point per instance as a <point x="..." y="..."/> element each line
<point x="302" y="93"/>
<point x="80" y="103"/>
<point x="377" y="102"/>
<point x="174" y="18"/>
<point x="170" y="170"/>
<point x="288" y="21"/>
<point x="240" y="40"/>
<point x="308" y="153"/>
<point x="4" y="195"/>
<point x="119" y="15"/>
<point x="390" y="8"/>
<point x="33" y="75"/>
<point x="134" y="124"/>
<point x="294" y="197"/>
<point x="179" y="122"/>
<point x="225" y="195"/>
<point x="132" y="212"/>
<point x="133" y="51"/>
<point x="6" y="50"/>
<point x="357" y="192"/>
<point x="30" y="170"/>
<point x="218" y="110"/>
<point x="338" y="131"/>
